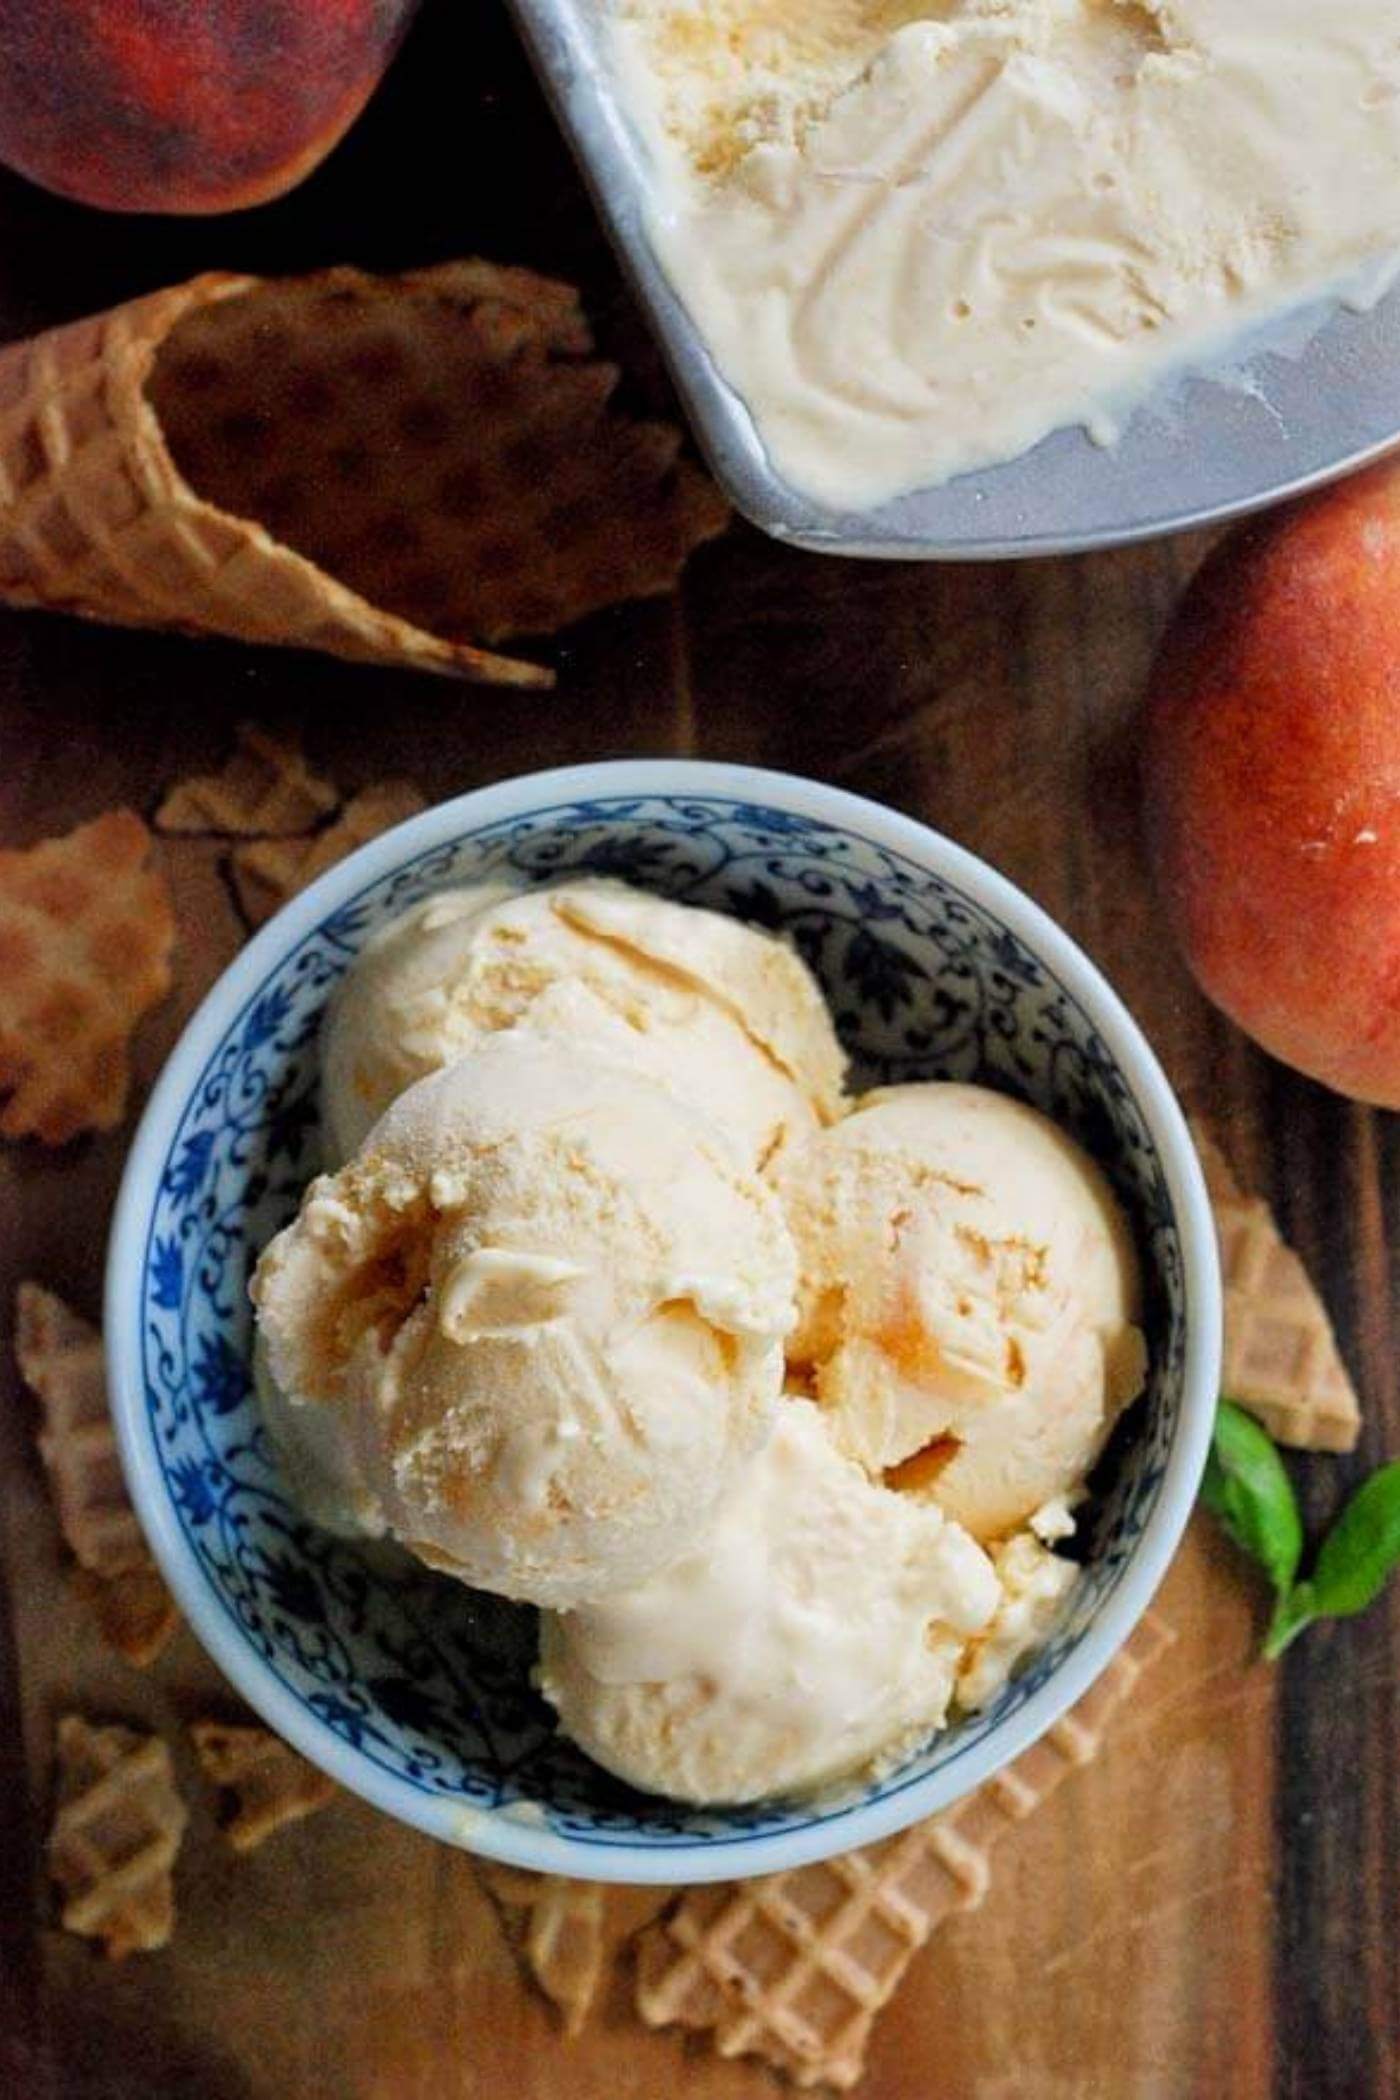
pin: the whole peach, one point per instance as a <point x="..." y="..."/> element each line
<point x="1272" y="777"/>
<point x="185" y="105"/>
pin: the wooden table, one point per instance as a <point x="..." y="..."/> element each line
<point x="1214" y="1909"/>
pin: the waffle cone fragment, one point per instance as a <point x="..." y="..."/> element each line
<point x="60" y="1359"/>
<point x="86" y="930"/>
<point x="134" y="1611"/>
<point x="270" y="1784"/>
<point x="1281" y="1359"/>
<point x="117" y="1827"/>
<point x="265" y="790"/>
<point x="557" y="1923"/>
<point x="794" y="1967"/>
<point x="266" y="872"/>
<point x="241" y="458"/>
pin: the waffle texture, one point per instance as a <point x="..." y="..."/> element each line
<point x="97" y="519"/>
<point x="1281" y="1359"/>
<point x="135" y="1613"/>
<point x="266" y="872"/>
<point x="443" y="442"/>
<point x="269" y="1783"/>
<point x="116" y="1831"/>
<point x="60" y="1360"/>
<point x="558" y="1927"/>
<point x="265" y="790"/>
<point x="795" y="1967"/>
<point x="86" y="931"/>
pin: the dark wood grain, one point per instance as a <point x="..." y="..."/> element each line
<point x="1214" y="1910"/>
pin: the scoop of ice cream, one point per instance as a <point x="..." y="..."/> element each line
<point x="726" y="1017"/>
<point x="968" y="1299"/>
<point x="544" y="1310"/>
<point x="817" y="1629"/>
<point x="320" y="1462"/>
<point x="1035" y="1590"/>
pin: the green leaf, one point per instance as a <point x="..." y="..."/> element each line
<point x="1295" y="1609"/>
<point x="1246" y="1487"/>
<point x="1361" y="1549"/>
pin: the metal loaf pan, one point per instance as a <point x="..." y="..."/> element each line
<point x="1306" y="404"/>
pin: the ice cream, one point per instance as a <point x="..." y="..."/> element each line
<point x="968" y="1304"/>
<point x="544" y="1309"/>
<point x="319" y="1461"/>
<point x="1035" y="1588"/>
<point x="727" y="1017"/>
<point x="920" y="237"/>
<point x="534" y="1331"/>
<point x="818" y="1629"/>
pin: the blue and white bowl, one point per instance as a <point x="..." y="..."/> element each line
<point x="416" y="1692"/>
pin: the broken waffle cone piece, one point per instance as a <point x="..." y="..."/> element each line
<point x="1222" y="1184"/>
<point x="266" y="790"/>
<point x="86" y="930"/>
<point x="269" y="1783"/>
<point x="269" y="871"/>
<point x="60" y="1360"/>
<point x="117" y="1827"/>
<point x="795" y="1967"/>
<point x="1281" y="1359"/>
<point x="386" y="469"/>
<point x="135" y="1612"/>
<point x="568" y="1934"/>
<point x="558" y="1926"/>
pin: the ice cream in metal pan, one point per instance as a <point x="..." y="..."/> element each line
<point x="895" y="244"/>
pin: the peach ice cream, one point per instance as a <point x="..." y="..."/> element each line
<point x="818" y="1630"/>
<point x="968" y="1304"/>
<point x="535" y="1327"/>
<point x="723" y="1015"/>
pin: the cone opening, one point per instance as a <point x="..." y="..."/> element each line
<point x="441" y="443"/>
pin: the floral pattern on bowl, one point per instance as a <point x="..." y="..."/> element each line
<point x="428" y="1681"/>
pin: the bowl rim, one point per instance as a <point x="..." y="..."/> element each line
<point x="510" y="1834"/>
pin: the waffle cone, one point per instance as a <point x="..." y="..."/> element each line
<point x="96" y="519"/>
<point x="117" y="1827"/>
<point x="557" y="1924"/>
<point x="61" y="1360"/>
<point x="1281" y="1361"/>
<point x="794" y="1968"/>
<point x="266" y="872"/>
<point x="265" y="790"/>
<point x="161" y="465"/>
<point x="134" y="1611"/>
<point x="267" y="1783"/>
<point x="87" y="925"/>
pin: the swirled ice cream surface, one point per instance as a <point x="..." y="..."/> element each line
<point x="918" y="238"/>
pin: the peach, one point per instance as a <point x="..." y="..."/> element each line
<point x="185" y="105"/>
<point x="1272" y="776"/>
